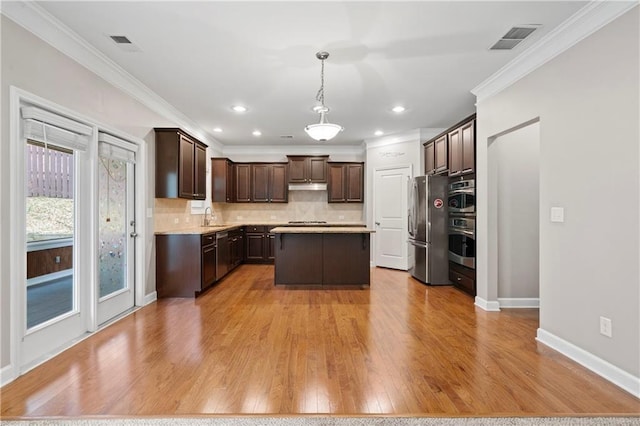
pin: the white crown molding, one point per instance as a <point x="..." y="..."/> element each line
<point x="395" y="138"/>
<point x="519" y="302"/>
<point x="601" y="367"/>
<point x="41" y="23"/>
<point x="595" y="15"/>
<point x="487" y="305"/>
<point x="284" y="150"/>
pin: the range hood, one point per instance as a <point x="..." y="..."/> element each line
<point x="307" y="187"/>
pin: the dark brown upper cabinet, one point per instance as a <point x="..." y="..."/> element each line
<point x="436" y="155"/>
<point x="462" y="143"/>
<point x="307" y="169"/>
<point x="222" y="180"/>
<point x="346" y="182"/>
<point x="180" y="165"/>
<point x="269" y="183"/>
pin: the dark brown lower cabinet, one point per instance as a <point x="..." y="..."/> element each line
<point x="462" y="277"/>
<point x="185" y="264"/>
<point x="322" y="259"/>
<point x="259" y="244"/>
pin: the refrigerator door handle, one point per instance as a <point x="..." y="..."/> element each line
<point x="417" y="244"/>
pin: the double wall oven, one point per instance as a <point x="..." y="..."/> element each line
<point x="462" y="223"/>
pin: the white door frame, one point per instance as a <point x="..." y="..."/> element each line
<point x="17" y="259"/>
<point x="408" y="166"/>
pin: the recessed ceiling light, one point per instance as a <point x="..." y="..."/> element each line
<point x="239" y="108"/>
<point x="257" y="133"/>
<point x="379" y="133"/>
<point x="217" y="130"/>
<point x="398" y="109"/>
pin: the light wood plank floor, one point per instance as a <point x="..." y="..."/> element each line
<point x="246" y="347"/>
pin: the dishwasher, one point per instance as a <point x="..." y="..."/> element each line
<point x="223" y="254"/>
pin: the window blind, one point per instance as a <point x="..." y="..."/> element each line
<point x="44" y="126"/>
<point x="115" y="148"/>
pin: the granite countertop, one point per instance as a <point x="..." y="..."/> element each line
<point x="350" y="227"/>
<point x="322" y="230"/>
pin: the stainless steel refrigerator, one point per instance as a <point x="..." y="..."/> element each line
<point x="428" y="236"/>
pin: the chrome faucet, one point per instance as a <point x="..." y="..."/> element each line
<point x="206" y="221"/>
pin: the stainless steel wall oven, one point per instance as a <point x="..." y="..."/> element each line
<point x="462" y="197"/>
<point x="462" y="241"/>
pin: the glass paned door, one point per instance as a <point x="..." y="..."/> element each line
<point x="116" y="230"/>
<point x="51" y="290"/>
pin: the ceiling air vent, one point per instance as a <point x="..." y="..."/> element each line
<point x="513" y="37"/>
<point x="121" y="39"/>
<point x="286" y="136"/>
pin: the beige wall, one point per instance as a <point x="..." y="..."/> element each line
<point x="33" y="65"/>
<point x="587" y="101"/>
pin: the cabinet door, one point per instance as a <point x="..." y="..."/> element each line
<point x="259" y="183"/>
<point x="354" y="183"/>
<point x="208" y="265"/>
<point x="429" y="158"/>
<point x="200" y="172"/>
<point x="335" y="187"/>
<point x="255" y="248"/>
<point x="468" y="147"/>
<point x="441" y="157"/>
<point x="242" y="183"/>
<point x="185" y="168"/>
<point x="230" y="183"/>
<point x="455" y="153"/>
<point x="278" y="188"/>
<point x="317" y="169"/>
<point x="297" y="169"/>
<point x="271" y="247"/>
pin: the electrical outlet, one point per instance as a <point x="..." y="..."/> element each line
<point x="239" y="217"/>
<point x="273" y="216"/>
<point x="557" y="214"/>
<point x="340" y="217"/>
<point x="176" y="220"/>
<point x="605" y="327"/>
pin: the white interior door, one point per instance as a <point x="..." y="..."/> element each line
<point x="390" y="216"/>
<point x="116" y="228"/>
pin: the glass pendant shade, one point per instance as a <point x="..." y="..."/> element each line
<point x="323" y="131"/>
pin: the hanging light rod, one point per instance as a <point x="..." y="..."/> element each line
<point x="324" y="130"/>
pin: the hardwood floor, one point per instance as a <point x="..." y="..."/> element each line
<point x="246" y="347"/>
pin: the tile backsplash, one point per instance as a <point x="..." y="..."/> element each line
<point x="302" y="205"/>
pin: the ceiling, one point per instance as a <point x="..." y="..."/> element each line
<point x="204" y="57"/>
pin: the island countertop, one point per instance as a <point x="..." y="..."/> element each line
<point x="322" y="230"/>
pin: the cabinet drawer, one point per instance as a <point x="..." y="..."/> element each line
<point x="465" y="283"/>
<point x="208" y="239"/>
<point x="256" y="228"/>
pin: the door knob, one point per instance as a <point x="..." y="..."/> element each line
<point x="133" y="234"/>
<point x="378" y="223"/>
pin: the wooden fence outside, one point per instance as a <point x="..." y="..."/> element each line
<point x="49" y="173"/>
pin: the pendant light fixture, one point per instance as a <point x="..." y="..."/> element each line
<point x="324" y="130"/>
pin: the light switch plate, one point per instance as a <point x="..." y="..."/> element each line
<point x="557" y="214"/>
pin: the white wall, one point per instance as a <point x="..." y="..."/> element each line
<point x="515" y="157"/>
<point x="587" y="101"/>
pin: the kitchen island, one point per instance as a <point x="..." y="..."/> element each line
<point x="322" y="255"/>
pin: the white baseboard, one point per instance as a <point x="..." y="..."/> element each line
<point x="7" y="374"/>
<point x="608" y="371"/>
<point x="150" y="298"/>
<point x="519" y="302"/>
<point x="487" y="305"/>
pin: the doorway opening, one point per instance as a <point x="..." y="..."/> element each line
<point x="514" y="178"/>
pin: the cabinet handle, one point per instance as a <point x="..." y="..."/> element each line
<point x="459" y="279"/>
